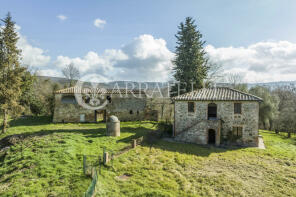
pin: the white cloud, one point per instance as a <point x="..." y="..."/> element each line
<point x="31" y="56"/>
<point x="143" y="59"/>
<point x="259" y="62"/>
<point x="93" y="62"/>
<point x="99" y="23"/>
<point x="62" y="17"/>
<point x="149" y="60"/>
<point x="49" y="72"/>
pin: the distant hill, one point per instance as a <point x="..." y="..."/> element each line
<point x="153" y="85"/>
<point x="274" y="85"/>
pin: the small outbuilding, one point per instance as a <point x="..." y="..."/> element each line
<point x="127" y="105"/>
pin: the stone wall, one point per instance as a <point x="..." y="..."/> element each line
<point x="194" y="126"/>
<point x="125" y="107"/>
<point x="70" y="112"/>
<point x="198" y="132"/>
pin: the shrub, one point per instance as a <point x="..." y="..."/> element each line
<point x="165" y="127"/>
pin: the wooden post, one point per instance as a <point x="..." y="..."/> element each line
<point x="134" y="143"/>
<point x="84" y="164"/>
<point x="100" y="163"/>
<point x="106" y="158"/>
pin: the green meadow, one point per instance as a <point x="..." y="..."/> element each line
<point x="45" y="159"/>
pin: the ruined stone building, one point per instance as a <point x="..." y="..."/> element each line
<point x="217" y="116"/>
<point x="127" y="105"/>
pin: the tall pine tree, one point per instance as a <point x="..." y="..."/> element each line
<point x="191" y="64"/>
<point x="11" y="72"/>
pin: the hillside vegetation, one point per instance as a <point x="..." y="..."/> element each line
<point x="46" y="161"/>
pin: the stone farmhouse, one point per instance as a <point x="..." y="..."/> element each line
<point x="206" y="116"/>
<point x="217" y="116"/>
<point x="127" y="105"/>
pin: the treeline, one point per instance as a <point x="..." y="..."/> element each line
<point x="277" y="112"/>
<point x="40" y="98"/>
<point x="20" y="90"/>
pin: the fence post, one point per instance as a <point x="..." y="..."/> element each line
<point x="106" y="158"/>
<point x="84" y="164"/>
<point x="134" y="144"/>
<point x="100" y="163"/>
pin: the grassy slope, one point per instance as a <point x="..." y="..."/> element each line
<point x="171" y="169"/>
<point x="51" y="165"/>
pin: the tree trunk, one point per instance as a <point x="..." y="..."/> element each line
<point x="4" y="126"/>
<point x="270" y="125"/>
<point x="289" y="134"/>
<point x="264" y="127"/>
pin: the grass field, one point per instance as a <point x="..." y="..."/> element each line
<point x="51" y="165"/>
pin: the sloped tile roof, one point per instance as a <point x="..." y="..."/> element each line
<point x="217" y="94"/>
<point x="78" y="90"/>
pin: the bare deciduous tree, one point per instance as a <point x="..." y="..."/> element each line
<point x="215" y="74"/>
<point x="71" y="73"/>
<point x="235" y="80"/>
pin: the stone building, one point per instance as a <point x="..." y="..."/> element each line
<point x="217" y="116"/>
<point x="127" y="105"/>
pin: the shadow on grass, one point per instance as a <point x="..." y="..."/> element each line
<point x="30" y="121"/>
<point x="14" y="138"/>
<point x="191" y="149"/>
<point x="178" y="147"/>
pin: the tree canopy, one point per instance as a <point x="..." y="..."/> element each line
<point x="191" y="64"/>
<point x="11" y="72"/>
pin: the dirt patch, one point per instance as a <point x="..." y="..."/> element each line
<point x="11" y="140"/>
<point x="123" y="177"/>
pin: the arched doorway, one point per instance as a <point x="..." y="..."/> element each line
<point x="212" y="111"/>
<point x="211" y="136"/>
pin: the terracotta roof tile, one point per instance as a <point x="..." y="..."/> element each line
<point x="217" y="94"/>
<point x="78" y="90"/>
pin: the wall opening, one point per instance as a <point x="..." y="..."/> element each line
<point x="100" y="116"/>
<point x="211" y="136"/>
<point x="82" y="117"/>
<point x="68" y="99"/>
<point x="212" y="111"/>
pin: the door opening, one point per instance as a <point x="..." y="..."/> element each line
<point x="211" y="136"/>
<point x="100" y="115"/>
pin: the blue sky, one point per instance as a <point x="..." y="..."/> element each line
<point x="229" y="27"/>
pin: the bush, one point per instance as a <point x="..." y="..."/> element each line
<point x="165" y="127"/>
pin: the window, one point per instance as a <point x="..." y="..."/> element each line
<point x="69" y="99"/>
<point x="190" y="106"/>
<point x="237" y="108"/>
<point x="237" y="131"/>
<point x="109" y="99"/>
<point x="131" y="112"/>
<point x="87" y="100"/>
<point x="212" y="111"/>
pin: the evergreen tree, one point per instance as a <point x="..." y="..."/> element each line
<point x="11" y="72"/>
<point x="191" y="64"/>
